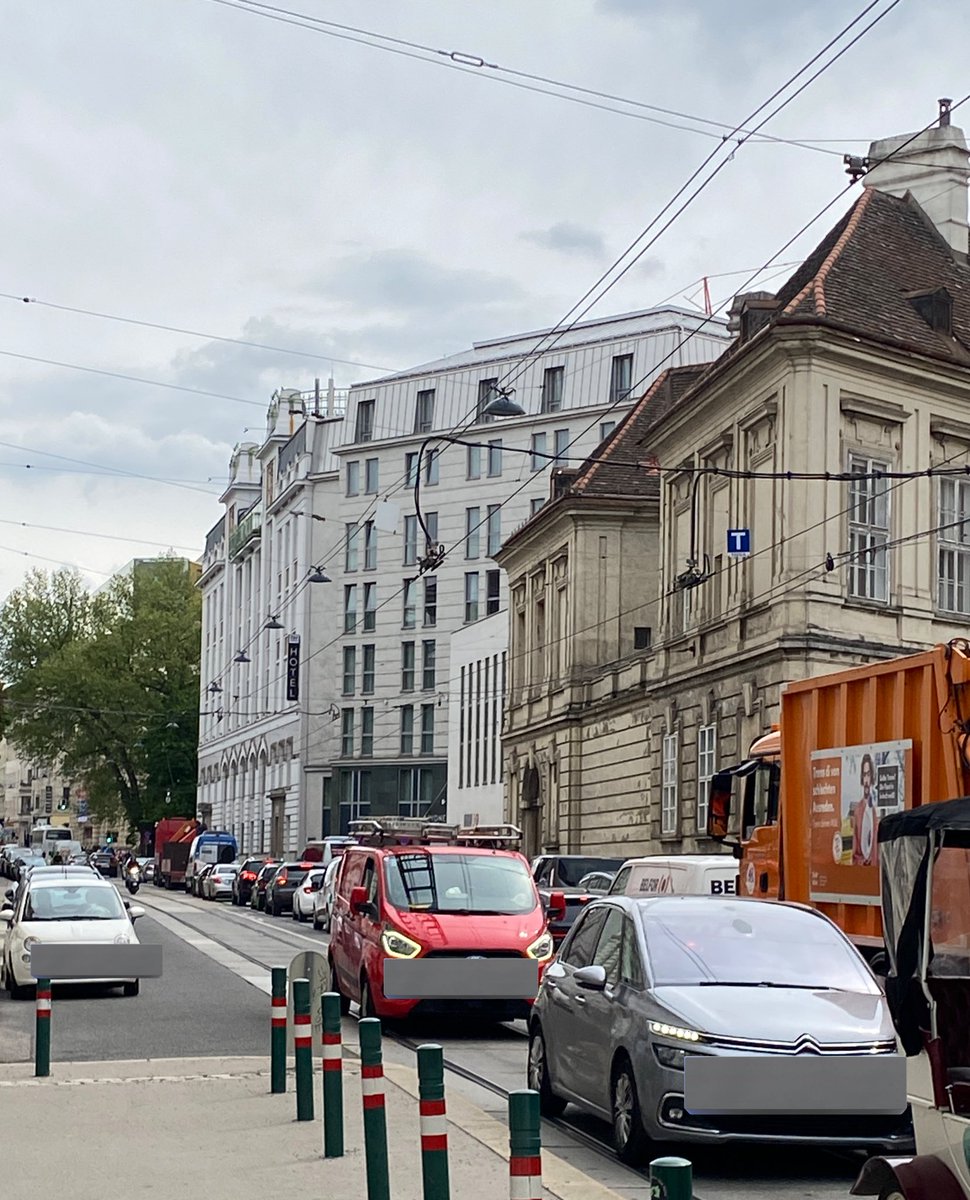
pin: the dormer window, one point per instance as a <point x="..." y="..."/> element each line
<point x="936" y="309"/>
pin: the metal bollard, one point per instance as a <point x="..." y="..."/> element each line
<point x="42" y="1031"/>
<point x="671" y="1178"/>
<point x="333" y="1079"/>
<point x="434" y="1125"/>
<point x="375" y="1115"/>
<point x="303" y="1046"/>
<point x="525" y="1157"/>
<point x="278" y="1034"/>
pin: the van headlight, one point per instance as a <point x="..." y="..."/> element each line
<point x="542" y="948"/>
<point x="677" y="1032"/>
<point x="394" y="943"/>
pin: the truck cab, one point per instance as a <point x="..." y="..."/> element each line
<point x="759" y="848"/>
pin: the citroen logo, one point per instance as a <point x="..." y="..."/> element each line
<point x="807" y="1045"/>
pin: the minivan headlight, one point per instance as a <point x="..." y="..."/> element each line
<point x="677" y="1032"/>
<point x="542" y="948"/>
<point x="397" y="945"/>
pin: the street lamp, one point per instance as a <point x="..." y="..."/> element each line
<point x="318" y="575"/>
<point x="273" y="623"/>
<point x="242" y="657"/>
<point x="214" y="687"/>
<point x="501" y="406"/>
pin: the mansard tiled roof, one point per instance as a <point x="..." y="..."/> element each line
<point x="884" y="252"/>
<point x="612" y="470"/>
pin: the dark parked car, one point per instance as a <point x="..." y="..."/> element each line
<point x="106" y="862"/>
<point x="257" y="896"/>
<point x="243" y="884"/>
<point x="284" y="882"/>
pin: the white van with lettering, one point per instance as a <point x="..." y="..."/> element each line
<point x="677" y="875"/>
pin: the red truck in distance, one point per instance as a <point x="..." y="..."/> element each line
<point x="173" y="841"/>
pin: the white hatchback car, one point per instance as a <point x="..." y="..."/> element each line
<point x="64" y="909"/>
<point x="323" y="900"/>
<point x="305" y="895"/>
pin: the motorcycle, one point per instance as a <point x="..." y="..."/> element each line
<point x="133" y="879"/>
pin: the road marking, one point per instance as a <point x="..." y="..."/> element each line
<point x="242" y="967"/>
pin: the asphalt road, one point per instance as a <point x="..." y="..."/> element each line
<point x="197" y="1008"/>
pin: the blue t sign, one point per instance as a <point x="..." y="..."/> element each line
<point x="738" y="542"/>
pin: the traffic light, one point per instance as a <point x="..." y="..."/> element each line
<point x="111" y="838"/>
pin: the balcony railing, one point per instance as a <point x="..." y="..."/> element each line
<point x="246" y="531"/>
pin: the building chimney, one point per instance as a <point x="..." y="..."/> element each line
<point x="932" y="167"/>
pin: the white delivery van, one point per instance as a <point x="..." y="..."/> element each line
<point x="677" y="875"/>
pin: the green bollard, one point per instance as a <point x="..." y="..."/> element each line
<point x="434" y="1125"/>
<point x="375" y="1115"/>
<point x="303" y="1045"/>
<point x="278" y="1034"/>
<point x="42" y="1033"/>
<point x="525" y="1156"/>
<point x="333" y="1079"/>
<point x="670" y="1179"/>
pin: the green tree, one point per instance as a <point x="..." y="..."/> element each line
<point x="108" y="684"/>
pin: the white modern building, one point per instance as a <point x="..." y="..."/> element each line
<point x="326" y="695"/>
<point x="476" y="705"/>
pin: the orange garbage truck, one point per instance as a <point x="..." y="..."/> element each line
<point x="851" y="747"/>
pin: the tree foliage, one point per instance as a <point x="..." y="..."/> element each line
<point x="107" y="683"/>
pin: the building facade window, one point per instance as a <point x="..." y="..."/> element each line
<point x="487" y="392"/>
<point x="415" y="796"/>
<point x="410" y="541"/>
<point x="606" y="428"/>
<point x="428" y="669"/>
<point x="354" y="798"/>
<point x="493" y="591"/>
<point x="427" y="729"/>
<point x="409" y="615"/>
<point x="706" y="767"/>
<point x="350" y="670"/>
<point x="371" y="475"/>
<point x="953" y="550"/>
<point x="424" y="411"/>
<point x="370" y="607"/>
<point x="347" y="733"/>
<point x="538" y="448"/>
<point x="367" y="732"/>
<point x="561" y="437"/>
<point x="669" y="791"/>
<point x="350" y="607"/>
<point x="352" y="535"/>
<point x="471" y="596"/>
<point x="868" y="530"/>
<point x="411" y="468"/>
<point x="431" y="467"/>
<point x="370" y="547"/>
<point x="473" y="462"/>
<point x="407" y="729"/>
<point x="495" y="457"/>
<point x="364" y="428"/>
<point x="473" y="521"/>
<point x="407" y="666"/>
<point x="368" y="671"/>
<point x="494" y="529"/>
<point x="535" y="505"/>
<point x="552" y="381"/>
<point x="621" y="378"/>
<point x="353" y="478"/>
<point x="430" y="602"/>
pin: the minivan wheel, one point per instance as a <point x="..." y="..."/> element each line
<point x="366" y="999"/>
<point x="629" y="1137"/>
<point x="550" y="1105"/>
<point x="335" y="987"/>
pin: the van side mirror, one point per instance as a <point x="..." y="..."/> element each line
<point x="719" y="807"/>
<point x="359" y="902"/>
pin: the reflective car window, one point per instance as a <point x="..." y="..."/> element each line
<point x="578" y="950"/>
<point x="631" y="965"/>
<point x="609" y="946"/>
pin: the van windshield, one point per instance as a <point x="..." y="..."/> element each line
<point x="459" y="883"/>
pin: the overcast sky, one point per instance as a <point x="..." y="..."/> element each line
<point x="186" y="163"/>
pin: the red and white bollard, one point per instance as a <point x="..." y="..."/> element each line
<point x="42" y="1031"/>
<point x="525" y="1157"/>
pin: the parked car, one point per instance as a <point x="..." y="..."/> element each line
<point x="283" y="883"/>
<point x="257" y="896"/>
<point x="597" y="881"/>
<point x="640" y="983"/>
<point x="213" y="847"/>
<point x="246" y="876"/>
<point x="24" y="863"/>
<point x="324" y="898"/>
<point x="305" y="895"/>
<point x="87" y="910"/>
<point x="566" y="870"/>
<point x="106" y="862"/>
<point x="199" y="881"/>
<point x="147" y="868"/>
<point x="217" y="883"/>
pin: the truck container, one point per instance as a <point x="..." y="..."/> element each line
<point x="173" y="839"/>
<point x="851" y="747"/>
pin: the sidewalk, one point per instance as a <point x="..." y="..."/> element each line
<point x="212" y="1124"/>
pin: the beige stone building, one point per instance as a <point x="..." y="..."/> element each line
<point x="856" y="372"/>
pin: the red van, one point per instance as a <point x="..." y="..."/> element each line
<point x="410" y="889"/>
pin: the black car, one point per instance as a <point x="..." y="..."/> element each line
<point x="106" y="862"/>
<point x="257" y="895"/>
<point x="245" y="880"/>
<point x="285" y="880"/>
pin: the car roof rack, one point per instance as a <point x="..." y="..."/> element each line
<point x="416" y="831"/>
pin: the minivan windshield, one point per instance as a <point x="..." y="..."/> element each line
<point x="482" y="884"/>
